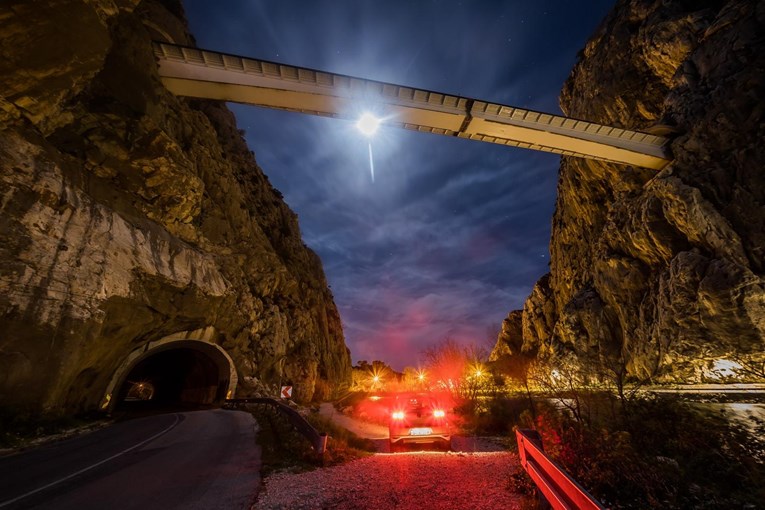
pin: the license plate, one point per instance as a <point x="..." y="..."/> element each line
<point x="420" y="432"/>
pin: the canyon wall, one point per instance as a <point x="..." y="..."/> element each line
<point x="128" y="215"/>
<point x="661" y="274"/>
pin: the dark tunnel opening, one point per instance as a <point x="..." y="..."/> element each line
<point x="177" y="377"/>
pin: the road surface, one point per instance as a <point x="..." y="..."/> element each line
<point x="191" y="460"/>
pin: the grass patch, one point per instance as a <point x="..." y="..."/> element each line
<point x="282" y="447"/>
<point x="19" y="428"/>
<point x="343" y="445"/>
<point x="285" y="449"/>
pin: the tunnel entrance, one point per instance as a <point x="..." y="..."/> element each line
<point x="180" y="373"/>
<point x="175" y="376"/>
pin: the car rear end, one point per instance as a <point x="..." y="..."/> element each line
<point x="417" y="419"/>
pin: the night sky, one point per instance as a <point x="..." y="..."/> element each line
<point x="452" y="234"/>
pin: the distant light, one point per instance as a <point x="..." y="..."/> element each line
<point x="368" y="124"/>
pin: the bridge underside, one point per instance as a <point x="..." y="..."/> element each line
<point x="204" y="74"/>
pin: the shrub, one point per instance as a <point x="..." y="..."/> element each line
<point x="500" y="416"/>
<point x="663" y="454"/>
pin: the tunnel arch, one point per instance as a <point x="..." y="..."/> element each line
<point x="155" y="30"/>
<point x="194" y="369"/>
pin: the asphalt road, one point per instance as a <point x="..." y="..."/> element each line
<point x="192" y="460"/>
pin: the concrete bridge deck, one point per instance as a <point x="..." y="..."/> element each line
<point x="206" y="74"/>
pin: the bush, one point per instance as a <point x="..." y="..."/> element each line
<point x="501" y="416"/>
<point x="20" y="427"/>
<point x="664" y="453"/>
<point x="322" y="391"/>
<point x="339" y="435"/>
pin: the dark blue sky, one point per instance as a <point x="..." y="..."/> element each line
<point x="452" y="234"/>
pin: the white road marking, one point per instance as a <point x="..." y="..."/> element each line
<point x="83" y="470"/>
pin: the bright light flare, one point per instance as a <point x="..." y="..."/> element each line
<point x="477" y="370"/>
<point x="368" y="124"/>
<point x="377" y="378"/>
<point x="397" y="415"/>
<point x="439" y="413"/>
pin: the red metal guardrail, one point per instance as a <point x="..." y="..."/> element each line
<point x="558" y="488"/>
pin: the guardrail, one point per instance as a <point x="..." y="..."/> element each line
<point x="559" y="489"/>
<point x="317" y="439"/>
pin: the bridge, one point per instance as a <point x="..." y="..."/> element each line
<point x="199" y="73"/>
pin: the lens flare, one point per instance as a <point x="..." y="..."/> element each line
<point x="368" y="124"/>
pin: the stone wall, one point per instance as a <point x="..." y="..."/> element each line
<point x="127" y="214"/>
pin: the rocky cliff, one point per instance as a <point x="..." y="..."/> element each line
<point x="662" y="274"/>
<point x="129" y="215"/>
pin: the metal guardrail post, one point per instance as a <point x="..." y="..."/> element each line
<point x="561" y="491"/>
<point x="321" y="445"/>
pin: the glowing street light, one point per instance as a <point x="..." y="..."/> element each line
<point x="477" y="370"/>
<point x="368" y="124"/>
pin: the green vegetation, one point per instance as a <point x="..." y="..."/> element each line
<point x="647" y="452"/>
<point x="285" y="449"/>
<point x="343" y="445"/>
<point x="19" y="428"/>
<point x="661" y="453"/>
<point x="282" y="447"/>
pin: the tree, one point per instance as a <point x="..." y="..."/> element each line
<point x="456" y="368"/>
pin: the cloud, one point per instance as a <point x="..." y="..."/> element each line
<point x="452" y="233"/>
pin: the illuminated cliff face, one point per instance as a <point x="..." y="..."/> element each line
<point x="663" y="272"/>
<point x="132" y="219"/>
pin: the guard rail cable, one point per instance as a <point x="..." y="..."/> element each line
<point x="560" y="490"/>
<point x="317" y="439"/>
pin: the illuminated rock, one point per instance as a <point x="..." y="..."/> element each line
<point x="664" y="271"/>
<point x="129" y="215"/>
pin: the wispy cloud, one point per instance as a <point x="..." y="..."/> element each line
<point x="452" y="234"/>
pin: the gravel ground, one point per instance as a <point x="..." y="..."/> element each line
<point x="473" y="476"/>
<point x="413" y="480"/>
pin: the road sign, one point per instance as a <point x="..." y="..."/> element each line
<point x="286" y="392"/>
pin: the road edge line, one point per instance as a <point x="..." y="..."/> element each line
<point x="81" y="471"/>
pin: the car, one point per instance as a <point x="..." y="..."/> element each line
<point x="419" y="419"/>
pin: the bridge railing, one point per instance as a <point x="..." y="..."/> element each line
<point x="317" y="439"/>
<point x="559" y="489"/>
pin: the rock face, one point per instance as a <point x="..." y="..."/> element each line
<point x="129" y="215"/>
<point x="663" y="273"/>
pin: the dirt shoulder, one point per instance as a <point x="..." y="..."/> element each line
<point x="475" y="475"/>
